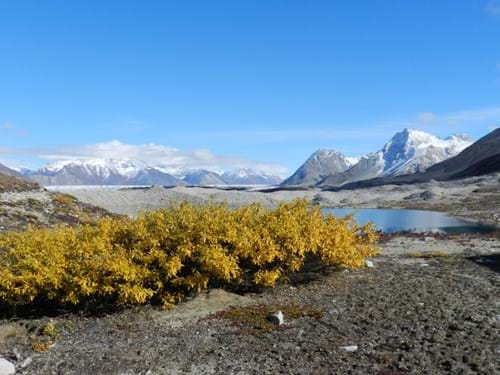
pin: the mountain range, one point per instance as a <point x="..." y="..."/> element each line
<point x="134" y="172"/>
<point x="409" y="156"/>
<point x="409" y="151"/>
<point x="481" y="157"/>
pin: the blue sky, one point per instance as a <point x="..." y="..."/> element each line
<point x="241" y="83"/>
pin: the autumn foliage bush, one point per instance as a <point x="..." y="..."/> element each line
<point x="163" y="256"/>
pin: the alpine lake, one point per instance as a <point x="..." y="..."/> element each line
<point x="417" y="221"/>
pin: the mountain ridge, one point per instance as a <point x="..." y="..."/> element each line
<point x="481" y="157"/>
<point x="318" y="166"/>
<point x="108" y="171"/>
<point x="409" y="151"/>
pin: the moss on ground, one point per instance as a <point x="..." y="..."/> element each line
<point x="253" y="319"/>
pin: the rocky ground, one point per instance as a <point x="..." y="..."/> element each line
<point x="475" y="198"/>
<point x="41" y="208"/>
<point x="427" y="306"/>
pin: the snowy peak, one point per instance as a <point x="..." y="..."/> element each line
<point x="352" y="160"/>
<point x="135" y="172"/>
<point x="325" y="153"/>
<point x="245" y="176"/>
<point x="101" y="167"/>
<point x="408" y="151"/>
<point x="102" y="172"/>
<point x="319" y="165"/>
<point x="411" y="151"/>
<point x="202" y="177"/>
<point x="459" y="138"/>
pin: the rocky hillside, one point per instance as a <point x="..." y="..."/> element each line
<point x="12" y="183"/>
<point x="24" y="203"/>
<point x="320" y="165"/>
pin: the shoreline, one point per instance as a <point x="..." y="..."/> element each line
<point x="427" y="304"/>
<point x="473" y="198"/>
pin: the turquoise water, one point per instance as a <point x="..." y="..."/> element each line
<point x="399" y="220"/>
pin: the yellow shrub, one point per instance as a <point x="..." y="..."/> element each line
<point x="164" y="255"/>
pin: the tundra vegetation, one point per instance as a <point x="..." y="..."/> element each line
<point x="166" y="255"/>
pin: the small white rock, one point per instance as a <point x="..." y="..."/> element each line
<point x="6" y="367"/>
<point x="276" y="318"/>
<point x="369" y="263"/>
<point x="350" y="348"/>
<point x="26" y="362"/>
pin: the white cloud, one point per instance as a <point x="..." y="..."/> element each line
<point x="169" y="158"/>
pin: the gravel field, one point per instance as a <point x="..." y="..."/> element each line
<point x="410" y="313"/>
<point x="428" y="304"/>
<point x="477" y="198"/>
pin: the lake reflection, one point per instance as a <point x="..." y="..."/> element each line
<point x="399" y="220"/>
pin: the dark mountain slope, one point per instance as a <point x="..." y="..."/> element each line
<point x="482" y="157"/>
<point x="317" y="167"/>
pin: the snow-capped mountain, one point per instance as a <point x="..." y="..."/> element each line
<point x="412" y="151"/>
<point x="320" y="165"/>
<point x="409" y="151"/>
<point x="10" y="171"/>
<point x="480" y="158"/>
<point x="102" y="172"/>
<point x="245" y="176"/>
<point x="134" y="172"/>
<point x="98" y="167"/>
<point x="202" y="177"/>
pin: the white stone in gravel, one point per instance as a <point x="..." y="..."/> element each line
<point x="26" y="362"/>
<point x="276" y="318"/>
<point x="369" y="263"/>
<point x="6" y="367"/>
<point x="350" y="348"/>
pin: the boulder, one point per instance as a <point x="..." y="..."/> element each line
<point x="6" y="367"/>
